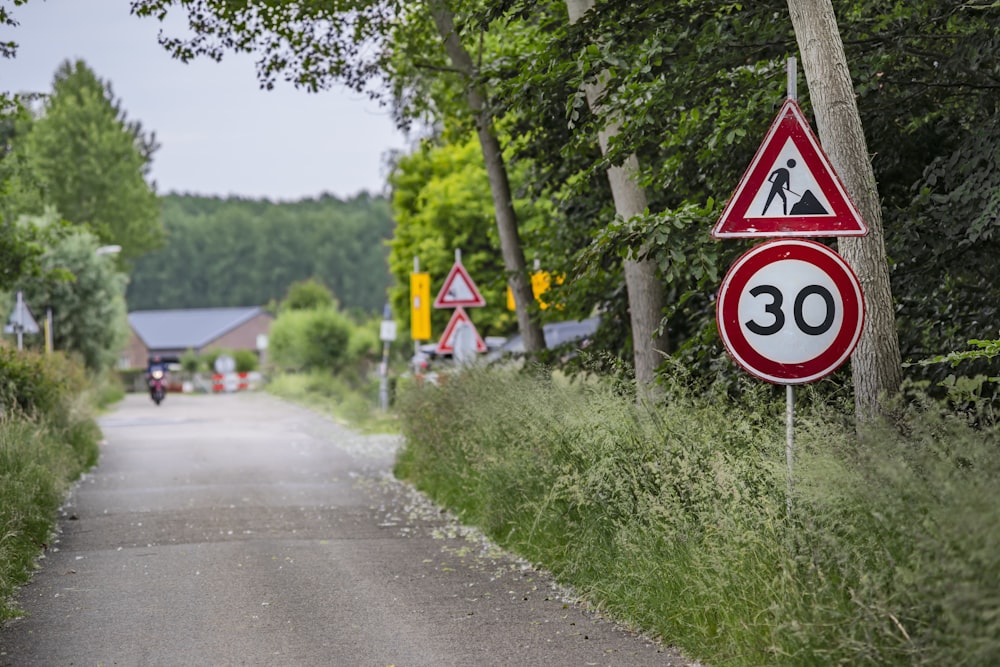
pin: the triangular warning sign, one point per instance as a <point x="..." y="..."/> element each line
<point x="456" y="332"/>
<point x="790" y="188"/>
<point x="459" y="290"/>
<point x="21" y="320"/>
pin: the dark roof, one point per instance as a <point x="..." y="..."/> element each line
<point x="183" y="329"/>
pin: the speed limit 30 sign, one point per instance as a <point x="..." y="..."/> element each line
<point x="790" y="311"/>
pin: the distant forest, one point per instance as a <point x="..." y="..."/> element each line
<point x="245" y="252"/>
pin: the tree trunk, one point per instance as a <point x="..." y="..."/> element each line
<point x="645" y="290"/>
<point x="876" y="365"/>
<point x="496" y="170"/>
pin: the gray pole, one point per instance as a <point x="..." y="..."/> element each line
<point x="792" y="67"/>
<point x="789" y="444"/>
<point x="383" y="386"/>
<point x="790" y="389"/>
<point x="19" y="324"/>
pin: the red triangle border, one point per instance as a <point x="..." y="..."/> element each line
<point x="457" y="317"/>
<point x="442" y="301"/>
<point x="790" y="123"/>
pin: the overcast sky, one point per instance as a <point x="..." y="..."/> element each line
<point x="219" y="133"/>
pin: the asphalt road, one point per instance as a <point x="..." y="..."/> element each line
<point x="241" y="530"/>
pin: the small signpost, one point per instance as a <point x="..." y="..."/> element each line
<point x="790" y="311"/>
<point x="387" y="334"/>
<point x="21" y="321"/>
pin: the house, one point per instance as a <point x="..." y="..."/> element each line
<point x="170" y="333"/>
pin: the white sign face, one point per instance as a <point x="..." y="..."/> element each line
<point x="790" y="311"/>
<point x="459" y="321"/>
<point x="459" y="290"/>
<point x="387" y="330"/>
<point x="790" y="189"/>
<point x="21" y="320"/>
<point x="224" y="364"/>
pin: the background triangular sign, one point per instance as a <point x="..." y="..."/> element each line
<point x="21" y="318"/>
<point x="447" y="343"/>
<point x="459" y="290"/>
<point x="843" y="218"/>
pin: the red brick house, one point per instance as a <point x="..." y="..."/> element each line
<point x="170" y="333"/>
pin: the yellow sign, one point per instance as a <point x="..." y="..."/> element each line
<point x="540" y="282"/>
<point x="420" y="306"/>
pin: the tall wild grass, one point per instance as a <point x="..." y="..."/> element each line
<point x="47" y="439"/>
<point x="674" y="518"/>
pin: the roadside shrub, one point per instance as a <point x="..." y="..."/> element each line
<point x="287" y="341"/>
<point x="364" y="347"/>
<point x="47" y="439"/>
<point x="40" y="386"/>
<point x="327" y="335"/>
<point x="25" y="387"/>
<point x="208" y="358"/>
<point x="107" y="388"/>
<point x="309" y="339"/>
<point x="246" y="361"/>
<point x="190" y="361"/>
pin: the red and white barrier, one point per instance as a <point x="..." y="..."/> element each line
<point x="231" y="382"/>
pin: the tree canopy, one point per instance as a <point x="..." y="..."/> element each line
<point x="86" y="295"/>
<point x="693" y="86"/>
<point x="91" y="162"/>
<point x="245" y="252"/>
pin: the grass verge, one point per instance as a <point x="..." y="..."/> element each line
<point x="337" y="398"/>
<point x="47" y="440"/>
<point x="674" y="518"/>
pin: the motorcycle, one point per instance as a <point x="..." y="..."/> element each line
<point x="157" y="385"/>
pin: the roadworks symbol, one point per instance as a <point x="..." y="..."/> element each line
<point x="790" y="189"/>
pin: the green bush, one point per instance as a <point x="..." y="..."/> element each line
<point x="287" y="341"/>
<point x="246" y="361"/>
<point x="327" y="335"/>
<point x="674" y="518"/>
<point x="37" y="385"/>
<point x="47" y="439"/>
<point x="208" y="358"/>
<point x="364" y="346"/>
<point x="190" y="361"/>
<point x="310" y="339"/>
<point x="108" y="388"/>
<point x="309" y="294"/>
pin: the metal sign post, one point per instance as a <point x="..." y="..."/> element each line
<point x="793" y="94"/>
<point x="790" y="311"/>
<point x="387" y="334"/>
